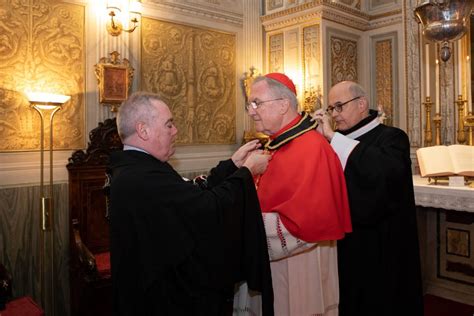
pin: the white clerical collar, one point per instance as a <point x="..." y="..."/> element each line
<point x="128" y="147"/>
<point x="364" y="129"/>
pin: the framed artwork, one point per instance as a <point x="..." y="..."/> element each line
<point x="114" y="76"/>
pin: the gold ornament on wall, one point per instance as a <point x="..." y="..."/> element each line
<point x="114" y="76"/>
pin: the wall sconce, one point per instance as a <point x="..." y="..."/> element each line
<point x="46" y="104"/>
<point x="114" y="9"/>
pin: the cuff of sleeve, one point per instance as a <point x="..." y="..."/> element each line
<point x="229" y="165"/>
<point x="343" y="147"/>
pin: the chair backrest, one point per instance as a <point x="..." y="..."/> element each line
<point x="87" y="176"/>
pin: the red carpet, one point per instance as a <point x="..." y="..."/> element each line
<point x="437" y="306"/>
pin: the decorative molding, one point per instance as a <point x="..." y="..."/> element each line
<point x="318" y="4"/>
<point x="290" y="21"/>
<point x="210" y="12"/>
<point x="395" y="19"/>
<point x="309" y="12"/>
<point x="384" y="15"/>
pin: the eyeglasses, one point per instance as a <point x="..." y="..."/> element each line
<point x="338" y="105"/>
<point x="256" y="104"/>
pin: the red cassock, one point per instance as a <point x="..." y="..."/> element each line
<point x="304" y="183"/>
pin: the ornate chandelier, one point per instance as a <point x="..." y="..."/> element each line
<point x="444" y="21"/>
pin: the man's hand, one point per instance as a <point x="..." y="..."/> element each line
<point x="324" y="123"/>
<point x="257" y="162"/>
<point x="244" y="151"/>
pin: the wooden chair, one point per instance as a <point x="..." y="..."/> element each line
<point x="89" y="267"/>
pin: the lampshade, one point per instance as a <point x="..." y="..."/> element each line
<point x="47" y="99"/>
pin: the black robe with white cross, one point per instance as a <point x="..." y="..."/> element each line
<point x="379" y="263"/>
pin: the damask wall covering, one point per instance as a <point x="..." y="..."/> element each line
<point x="41" y="49"/>
<point x="193" y="70"/>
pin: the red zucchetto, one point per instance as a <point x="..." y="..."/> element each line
<point x="283" y="79"/>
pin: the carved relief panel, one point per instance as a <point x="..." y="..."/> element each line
<point x="193" y="70"/>
<point x="275" y="54"/>
<point x="41" y="49"/>
<point x="312" y="67"/>
<point x="343" y="59"/>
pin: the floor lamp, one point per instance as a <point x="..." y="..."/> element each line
<point x="46" y="105"/>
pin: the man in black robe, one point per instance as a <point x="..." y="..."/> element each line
<point x="173" y="243"/>
<point x="379" y="263"/>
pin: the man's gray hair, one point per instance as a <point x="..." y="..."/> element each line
<point x="356" y="90"/>
<point x="279" y="90"/>
<point x="137" y="108"/>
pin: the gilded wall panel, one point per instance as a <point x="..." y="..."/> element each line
<point x="311" y="64"/>
<point x="193" y="70"/>
<point x="41" y="49"/>
<point x="343" y="60"/>
<point x="275" y="54"/>
<point x="384" y="78"/>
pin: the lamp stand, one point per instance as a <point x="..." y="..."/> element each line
<point x="46" y="109"/>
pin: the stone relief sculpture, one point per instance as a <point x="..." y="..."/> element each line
<point x="193" y="69"/>
<point x="343" y="60"/>
<point x="41" y="49"/>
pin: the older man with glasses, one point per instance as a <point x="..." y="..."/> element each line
<point x="379" y="264"/>
<point x="304" y="204"/>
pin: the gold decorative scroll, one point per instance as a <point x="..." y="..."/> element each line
<point x="384" y="78"/>
<point x="343" y="60"/>
<point x="41" y="50"/>
<point x="193" y="70"/>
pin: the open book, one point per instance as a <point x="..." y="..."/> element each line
<point x="446" y="160"/>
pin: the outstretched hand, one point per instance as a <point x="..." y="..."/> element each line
<point x="244" y="151"/>
<point x="257" y="162"/>
<point x="324" y="123"/>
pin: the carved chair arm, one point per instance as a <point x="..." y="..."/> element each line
<point x="86" y="257"/>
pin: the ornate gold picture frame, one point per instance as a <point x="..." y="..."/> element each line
<point x="114" y="76"/>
